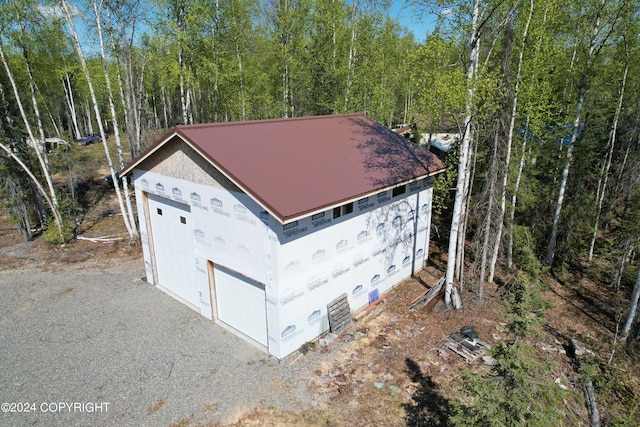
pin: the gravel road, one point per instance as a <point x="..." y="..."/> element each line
<point x="99" y="346"/>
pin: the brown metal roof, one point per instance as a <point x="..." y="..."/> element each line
<point x="297" y="166"/>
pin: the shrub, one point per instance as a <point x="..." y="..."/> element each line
<point x="517" y="390"/>
<point x="52" y="235"/>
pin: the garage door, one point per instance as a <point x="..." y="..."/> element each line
<point x="174" y="247"/>
<point x="241" y="304"/>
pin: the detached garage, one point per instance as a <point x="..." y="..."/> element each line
<point x="260" y="225"/>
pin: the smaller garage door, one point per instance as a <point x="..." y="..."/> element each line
<point x="241" y="304"/>
<point x="174" y="247"/>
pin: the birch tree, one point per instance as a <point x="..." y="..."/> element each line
<point x="509" y="143"/>
<point x="133" y="232"/>
<point x="355" y="10"/>
<point x="611" y="143"/>
<point x="71" y="104"/>
<point x="597" y="39"/>
<point x="37" y="184"/>
<point x="51" y="197"/>
<point x="464" y="164"/>
<point x="125" y="217"/>
<point x="123" y="17"/>
<point x="632" y="314"/>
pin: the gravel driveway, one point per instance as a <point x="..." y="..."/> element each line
<point x="90" y="346"/>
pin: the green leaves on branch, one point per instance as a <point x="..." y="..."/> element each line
<point x="519" y="388"/>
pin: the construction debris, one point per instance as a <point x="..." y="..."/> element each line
<point x="423" y="300"/>
<point x="466" y="344"/>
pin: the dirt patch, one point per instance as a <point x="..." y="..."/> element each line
<point x="396" y="362"/>
<point x="109" y="245"/>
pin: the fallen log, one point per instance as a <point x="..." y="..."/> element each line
<point x="423" y="300"/>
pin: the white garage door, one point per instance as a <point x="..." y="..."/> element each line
<point x="174" y="247"/>
<point x="241" y="304"/>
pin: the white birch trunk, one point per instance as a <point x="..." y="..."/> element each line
<point x="464" y="214"/>
<point x="39" y="186"/>
<point x="166" y="106"/>
<point x="133" y="232"/>
<point x="633" y="310"/>
<point x="628" y="253"/>
<point x="463" y="164"/>
<point x="183" y="97"/>
<point x="352" y="53"/>
<point x="52" y="199"/>
<point x="505" y="173"/>
<point x="88" y="121"/>
<point x="127" y="98"/>
<point x="71" y="104"/>
<point x="74" y="34"/>
<point x="582" y="89"/>
<point x="36" y="109"/>
<point x="602" y="184"/>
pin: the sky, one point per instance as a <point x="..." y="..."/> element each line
<point x="409" y="16"/>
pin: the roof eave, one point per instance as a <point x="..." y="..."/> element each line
<point x="301" y="215"/>
<point x="148" y="152"/>
<point x="176" y="133"/>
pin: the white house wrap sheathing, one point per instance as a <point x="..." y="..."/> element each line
<point x="302" y="265"/>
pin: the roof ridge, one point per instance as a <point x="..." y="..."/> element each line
<point x="262" y="121"/>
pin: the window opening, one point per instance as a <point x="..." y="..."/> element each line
<point x="399" y="190"/>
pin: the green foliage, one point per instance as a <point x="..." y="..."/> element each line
<point x="444" y="182"/>
<point x="438" y="79"/>
<point x="526" y="307"/>
<point x="524" y="251"/>
<point x="51" y="233"/>
<point x="518" y="389"/>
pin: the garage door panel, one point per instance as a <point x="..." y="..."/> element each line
<point x="174" y="247"/>
<point x="241" y="304"/>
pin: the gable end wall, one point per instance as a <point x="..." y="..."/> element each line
<point x="176" y="159"/>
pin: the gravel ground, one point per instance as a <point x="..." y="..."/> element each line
<point x="124" y="353"/>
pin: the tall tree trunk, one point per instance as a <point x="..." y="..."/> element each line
<point x="126" y="87"/>
<point x="628" y="252"/>
<point x="462" y="230"/>
<point x="133" y="232"/>
<point x="125" y="218"/>
<point x="39" y="187"/>
<point x="582" y="89"/>
<point x="633" y="310"/>
<point x="604" y="175"/>
<point x="71" y="105"/>
<point x="51" y="198"/>
<point x="514" y="196"/>
<point x="240" y="81"/>
<point x="463" y="164"/>
<point x="489" y="216"/>
<point x="352" y="53"/>
<point x="36" y="110"/>
<point x="507" y="161"/>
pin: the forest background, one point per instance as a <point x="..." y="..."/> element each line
<point x="544" y="96"/>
